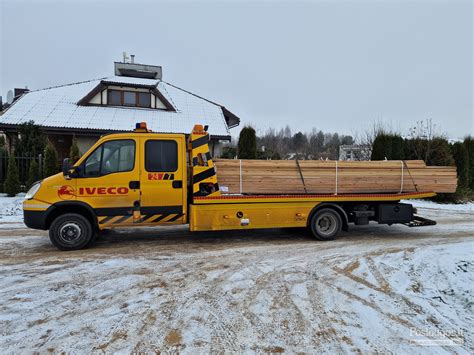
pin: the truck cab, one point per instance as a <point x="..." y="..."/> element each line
<point x="123" y="180"/>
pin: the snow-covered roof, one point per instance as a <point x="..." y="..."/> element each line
<point x="57" y="107"/>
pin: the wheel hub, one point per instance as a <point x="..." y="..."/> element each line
<point x="326" y="224"/>
<point x="70" y="232"/>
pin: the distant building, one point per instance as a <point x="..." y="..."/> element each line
<point x="92" y="108"/>
<point x="354" y="152"/>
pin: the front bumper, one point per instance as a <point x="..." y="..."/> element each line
<point x="35" y="219"/>
<point x="35" y="213"/>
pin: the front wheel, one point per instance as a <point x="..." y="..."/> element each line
<point x="325" y="224"/>
<point x="71" y="231"/>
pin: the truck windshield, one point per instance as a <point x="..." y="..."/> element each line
<point x="111" y="157"/>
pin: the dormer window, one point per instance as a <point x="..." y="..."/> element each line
<point x="129" y="95"/>
<point x="128" y="98"/>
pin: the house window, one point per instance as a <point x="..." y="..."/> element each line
<point x="144" y="99"/>
<point x="115" y="98"/>
<point x="129" y="98"/>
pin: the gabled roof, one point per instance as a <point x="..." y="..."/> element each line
<point x="57" y="107"/>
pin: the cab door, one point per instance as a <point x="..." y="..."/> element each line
<point x="108" y="181"/>
<point x="163" y="180"/>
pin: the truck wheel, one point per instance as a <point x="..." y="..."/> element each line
<point x="70" y="231"/>
<point x="326" y="224"/>
<point x="95" y="236"/>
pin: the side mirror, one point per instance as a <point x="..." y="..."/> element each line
<point x="67" y="168"/>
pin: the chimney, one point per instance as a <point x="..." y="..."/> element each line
<point x="20" y="91"/>
<point x="125" y="57"/>
<point x="132" y="58"/>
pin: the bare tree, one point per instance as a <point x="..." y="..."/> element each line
<point x="365" y="139"/>
<point x="421" y="138"/>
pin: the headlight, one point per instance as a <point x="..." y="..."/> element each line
<point x="33" y="190"/>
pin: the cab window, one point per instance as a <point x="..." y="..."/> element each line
<point x="111" y="157"/>
<point x="161" y="155"/>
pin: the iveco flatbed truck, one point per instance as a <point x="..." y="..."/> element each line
<point x="148" y="179"/>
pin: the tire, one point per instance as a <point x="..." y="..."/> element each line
<point x="325" y="224"/>
<point x="71" y="231"/>
<point x="95" y="236"/>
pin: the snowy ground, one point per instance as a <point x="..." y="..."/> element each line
<point x="11" y="212"/>
<point x="376" y="289"/>
<point x="425" y="204"/>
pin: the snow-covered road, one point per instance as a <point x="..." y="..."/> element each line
<point x="377" y="288"/>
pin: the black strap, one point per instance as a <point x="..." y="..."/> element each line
<point x="301" y="175"/>
<point x="411" y="177"/>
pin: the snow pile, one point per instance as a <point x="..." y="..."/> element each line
<point x="465" y="207"/>
<point x="11" y="210"/>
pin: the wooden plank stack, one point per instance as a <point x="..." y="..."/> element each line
<point x="329" y="177"/>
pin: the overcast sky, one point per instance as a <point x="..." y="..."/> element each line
<point x="333" y="65"/>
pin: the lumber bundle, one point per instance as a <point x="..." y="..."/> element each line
<point x="329" y="177"/>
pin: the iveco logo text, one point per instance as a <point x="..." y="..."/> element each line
<point x="103" y="190"/>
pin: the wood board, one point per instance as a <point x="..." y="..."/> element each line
<point x="329" y="177"/>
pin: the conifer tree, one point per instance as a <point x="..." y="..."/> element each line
<point x="12" y="181"/>
<point x="50" y="160"/>
<point x="74" y="153"/>
<point x="33" y="173"/>
<point x="247" y="146"/>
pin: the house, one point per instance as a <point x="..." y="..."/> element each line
<point x="354" y="152"/>
<point x="92" y="108"/>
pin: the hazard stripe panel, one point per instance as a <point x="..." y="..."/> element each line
<point x="123" y="219"/>
<point x="149" y="218"/>
<point x="115" y="220"/>
<point x="106" y="219"/>
<point x="175" y="217"/>
<point x="145" y="218"/>
<point x="204" y="178"/>
<point x="200" y="141"/>
<point x="203" y="175"/>
<point x="160" y="218"/>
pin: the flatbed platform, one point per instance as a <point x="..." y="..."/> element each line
<point x="224" y="212"/>
<point x="232" y="199"/>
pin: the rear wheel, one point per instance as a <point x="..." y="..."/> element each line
<point x="71" y="231"/>
<point x="325" y="224"/>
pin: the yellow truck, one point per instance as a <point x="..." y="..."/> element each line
<point x="148" y="179"/>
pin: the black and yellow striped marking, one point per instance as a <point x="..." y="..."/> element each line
<point x="204" y="178"/>
<point x="200" y="141"/>
<point x="128" y="220"/>
<point x="157" y="218"/>
<point x="204" y="175"/>
<point x="115" y="220"/>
